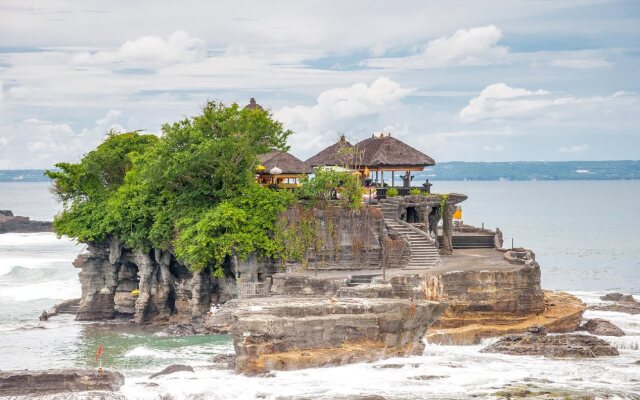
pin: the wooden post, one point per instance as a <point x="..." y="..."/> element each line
<point x="382" y="177"/>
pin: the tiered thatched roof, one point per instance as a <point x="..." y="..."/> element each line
<point x="389" y="152"/>
<point x="288" y="163"/>
<point x="329" y="156"/>
<point x="378" y="152"/>
<point x="253" y="105"/>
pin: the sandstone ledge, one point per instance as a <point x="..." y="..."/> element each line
<point x="292" y="333"/>
<point x="562" y="314"/>
<point x="26" y="382"/>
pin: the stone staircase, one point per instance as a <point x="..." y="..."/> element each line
<point x="424" y="254"/>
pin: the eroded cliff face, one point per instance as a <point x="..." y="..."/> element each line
<point x="283" y="333"/>
<point x="167" y="290"/>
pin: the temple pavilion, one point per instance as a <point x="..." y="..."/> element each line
<point x="281" y="169"/>
<point x="375" y="156"/>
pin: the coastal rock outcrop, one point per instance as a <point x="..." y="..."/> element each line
<point x="10" y="223"/>
<point x="618" y="302"/>
<point x="494" y="299"/>
<point x="536" y="342"/>
<point x="283" y="333"/>
<point x="171" y="369"/>
<point x="601" y="327"/>
<point x="26" y="382"/>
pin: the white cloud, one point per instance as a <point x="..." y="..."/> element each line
<point x="475" y="46"/>
<point x="148" y="52"/>
<point x="1" y="92"/>
<point x="573" y="149"/>
<point x="315" y="124"/>
<point x="499" y="101"/>
<point x="36" y="143"/>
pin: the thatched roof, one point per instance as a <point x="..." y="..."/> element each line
<point x="330" y="155"/>
<point x="387" y="151"/>
<point x="288" y="163"/>
<point x="253" y="105"/>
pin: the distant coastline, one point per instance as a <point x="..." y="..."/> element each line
<point x="470" y="171"/>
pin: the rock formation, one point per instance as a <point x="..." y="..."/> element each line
<point x="536" y="342"/>
<point x="283" y="333"/>
<point x="494" y="301"/>
<point x="16" y="224"/>
<point x="601" y="327"/>
<point x="26" y="382"/>
<point x="618" y="302"/>
<point x="171" y="369"/>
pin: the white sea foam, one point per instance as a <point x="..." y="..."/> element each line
<point x="57" y="290"/>
<point x="142" y="351"/>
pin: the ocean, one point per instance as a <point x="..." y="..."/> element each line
<point x="586" y="236"/>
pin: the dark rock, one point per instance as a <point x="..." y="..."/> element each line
<point x="16" y="224"/>
<point x="618" y="302"/>
<point x="172" y="369"/>
<point x="617" y="297"/>
<point x="637" y="362"/>
<point x="44" y="316"/>
<point x="536" y="330"/>
<point x="66" y="307"/>
<point x="561" y="346"/>
<point x="178" y="330"/>
<point x="601" y="327"/>
<point x="26" y="382"/>
<point x="427" y="377"/>
<point x="227" y="360"/>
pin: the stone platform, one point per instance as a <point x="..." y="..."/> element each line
<point x="284" y="333"/>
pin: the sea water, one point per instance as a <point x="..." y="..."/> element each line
<point x="585" y="235"/>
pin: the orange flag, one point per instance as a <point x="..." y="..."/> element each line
<point x="99" y="352"/>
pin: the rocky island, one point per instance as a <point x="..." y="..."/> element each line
<point x="10" y="223"/>
<point x="334" y="268"/>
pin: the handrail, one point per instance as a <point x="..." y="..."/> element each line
<point x="415" y="230"/>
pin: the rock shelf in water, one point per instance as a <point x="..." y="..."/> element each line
<point x="536" y="342"/>
<point x="10" y="223"/>
<point x="26" y="382"/>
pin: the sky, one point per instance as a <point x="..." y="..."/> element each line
<point x="459" y="80"/>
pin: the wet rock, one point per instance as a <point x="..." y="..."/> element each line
<point x="227" y="360"/>
<point x="601" y="327"/>
<point x="617" y="297"/>
<point x="637" y="362"/>
<point x="16" y="224"/>
<point x="427" y="377"/>
<point x="26" y="382"/>
<point x="618" y="302"/>
<point x="172" y="369"/>
<point x="178" y="330"/>
<point x="66" y="307"/>
<point x="537" y="343"/>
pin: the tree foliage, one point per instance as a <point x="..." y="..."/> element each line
<point x="191" y="191"/>
<point x="328" y="183"/>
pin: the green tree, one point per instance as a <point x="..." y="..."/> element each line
<point x="191" y="191"/>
